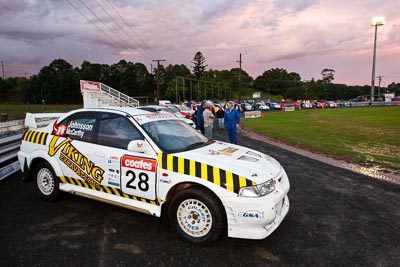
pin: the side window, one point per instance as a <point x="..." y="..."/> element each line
<point x="116" y="131"/>
<point x="80" y="126"/>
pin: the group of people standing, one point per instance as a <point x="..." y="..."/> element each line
<point x="228" y="118"/>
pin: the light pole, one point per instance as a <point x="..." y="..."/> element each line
<point x="376" y="21"/>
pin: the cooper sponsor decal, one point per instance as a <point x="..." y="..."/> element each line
<point x="76" y="161"/>
<point x="252" y="214"/>
<point x="139" y="163"/>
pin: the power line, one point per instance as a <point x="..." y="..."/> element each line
<point x="94" y="24"/>
<point x="99" y="19"/>
<point x="120" y="27"/>
<point x="133" y="31"/>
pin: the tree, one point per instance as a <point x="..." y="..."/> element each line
<point x="59" y="83"/>
<point x="90" y="71"/>
<point x="327" y="75"/>
<point x="199" y="66"/>
<point x="277" y="81"/>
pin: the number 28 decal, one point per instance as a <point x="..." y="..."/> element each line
<point x="139" y="176"/>
<point x="143" y="180"/>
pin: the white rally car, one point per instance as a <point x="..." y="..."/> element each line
<point x="145" y="161"/>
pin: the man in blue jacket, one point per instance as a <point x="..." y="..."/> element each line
<point x="232" y="120"/>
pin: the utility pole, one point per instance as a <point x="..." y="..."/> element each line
<point x="158" y="77"/>
<point x="176" y="89"/>
<point x="2" y="67"/>
<point x="379" y="87"/>
<point x="240" y="71"/>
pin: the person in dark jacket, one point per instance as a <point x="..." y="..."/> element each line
<point x="220" y="115"/>
<point x="200" y="119"/>
<point x="232" y="121"/>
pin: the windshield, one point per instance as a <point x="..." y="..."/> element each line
<point x="174" y="109"/>
<point x="174" y="136"/>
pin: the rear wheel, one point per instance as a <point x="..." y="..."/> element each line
<point x="46" y="182"/>
<point x="197" y="216"/>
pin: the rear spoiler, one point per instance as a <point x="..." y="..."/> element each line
<point x="39" y="120"/>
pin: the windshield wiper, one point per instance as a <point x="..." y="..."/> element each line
<point x="194" y="145"/>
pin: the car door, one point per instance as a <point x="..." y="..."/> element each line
<point x="71" y="143"/>
<point x="131" y="172"/>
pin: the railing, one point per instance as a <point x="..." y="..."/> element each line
<point x="9" y="147"/>
<point x="127" y="100"/>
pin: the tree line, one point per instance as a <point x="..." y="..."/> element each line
<point x="59" y="83"/>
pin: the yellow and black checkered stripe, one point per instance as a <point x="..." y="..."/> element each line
<point x="223" y="178"/>
<point x="36" y="137"/>
<point x="107" y="189"/>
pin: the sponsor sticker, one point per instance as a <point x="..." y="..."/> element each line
<point x="165" y="181"/>
<point x="90" y="86"/>
<point x="76" y="161"/>
<point x="139" y="163"/>
<point x="228" y="151"/>
<point x="251" y="214"/>
<point x="78" y="129"/>
<point x="153" y="117"/>
<point x="113" y="183"/>
<point x="59" y="129"/>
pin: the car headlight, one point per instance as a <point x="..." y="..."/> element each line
<point x="257" y="190"/>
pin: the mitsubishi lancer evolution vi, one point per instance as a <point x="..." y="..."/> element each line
<point x="156" y="164"/>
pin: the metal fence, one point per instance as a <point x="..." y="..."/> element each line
<point x="9" y="147"/>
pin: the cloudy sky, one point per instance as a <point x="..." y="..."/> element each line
<point x="303" y="36"/>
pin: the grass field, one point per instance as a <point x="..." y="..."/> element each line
<point x="368" y="136"/>
<point x="16" y="112"/>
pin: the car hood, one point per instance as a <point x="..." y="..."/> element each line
<point x="249" y="163"/>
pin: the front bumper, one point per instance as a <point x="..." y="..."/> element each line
<point x="257" y="218"/>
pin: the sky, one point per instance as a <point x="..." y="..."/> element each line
<point x="302" y="36"/>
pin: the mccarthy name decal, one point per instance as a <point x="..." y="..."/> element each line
<point x="76" y="161"/>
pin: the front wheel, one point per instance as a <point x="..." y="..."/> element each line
<point x="46" y="182"/>
<point x="197" y="216"/>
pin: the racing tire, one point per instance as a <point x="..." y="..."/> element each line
<point x="197" y="216"/>
<point x="46" y="182"/>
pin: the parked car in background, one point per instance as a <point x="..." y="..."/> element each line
<point x="185" y="111"/>
<point x="317" y="104"/>
<point x="263" y="107"/>
<point x="306" y="105"/>
<point x="176" y="111"/>
<point x="332" y="104"/>
<point x="248" y="107"/>
<point x="164" y="102"/>
<point x="275" y="106"/>
<point x="164" y="109"/>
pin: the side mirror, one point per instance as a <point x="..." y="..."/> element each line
<point x="141" y="146"/>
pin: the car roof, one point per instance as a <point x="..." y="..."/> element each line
<point x="130" y="110"/>
<point x="155" y="107"/>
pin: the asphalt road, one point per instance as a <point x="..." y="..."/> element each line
<point x="337" y="218"/>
